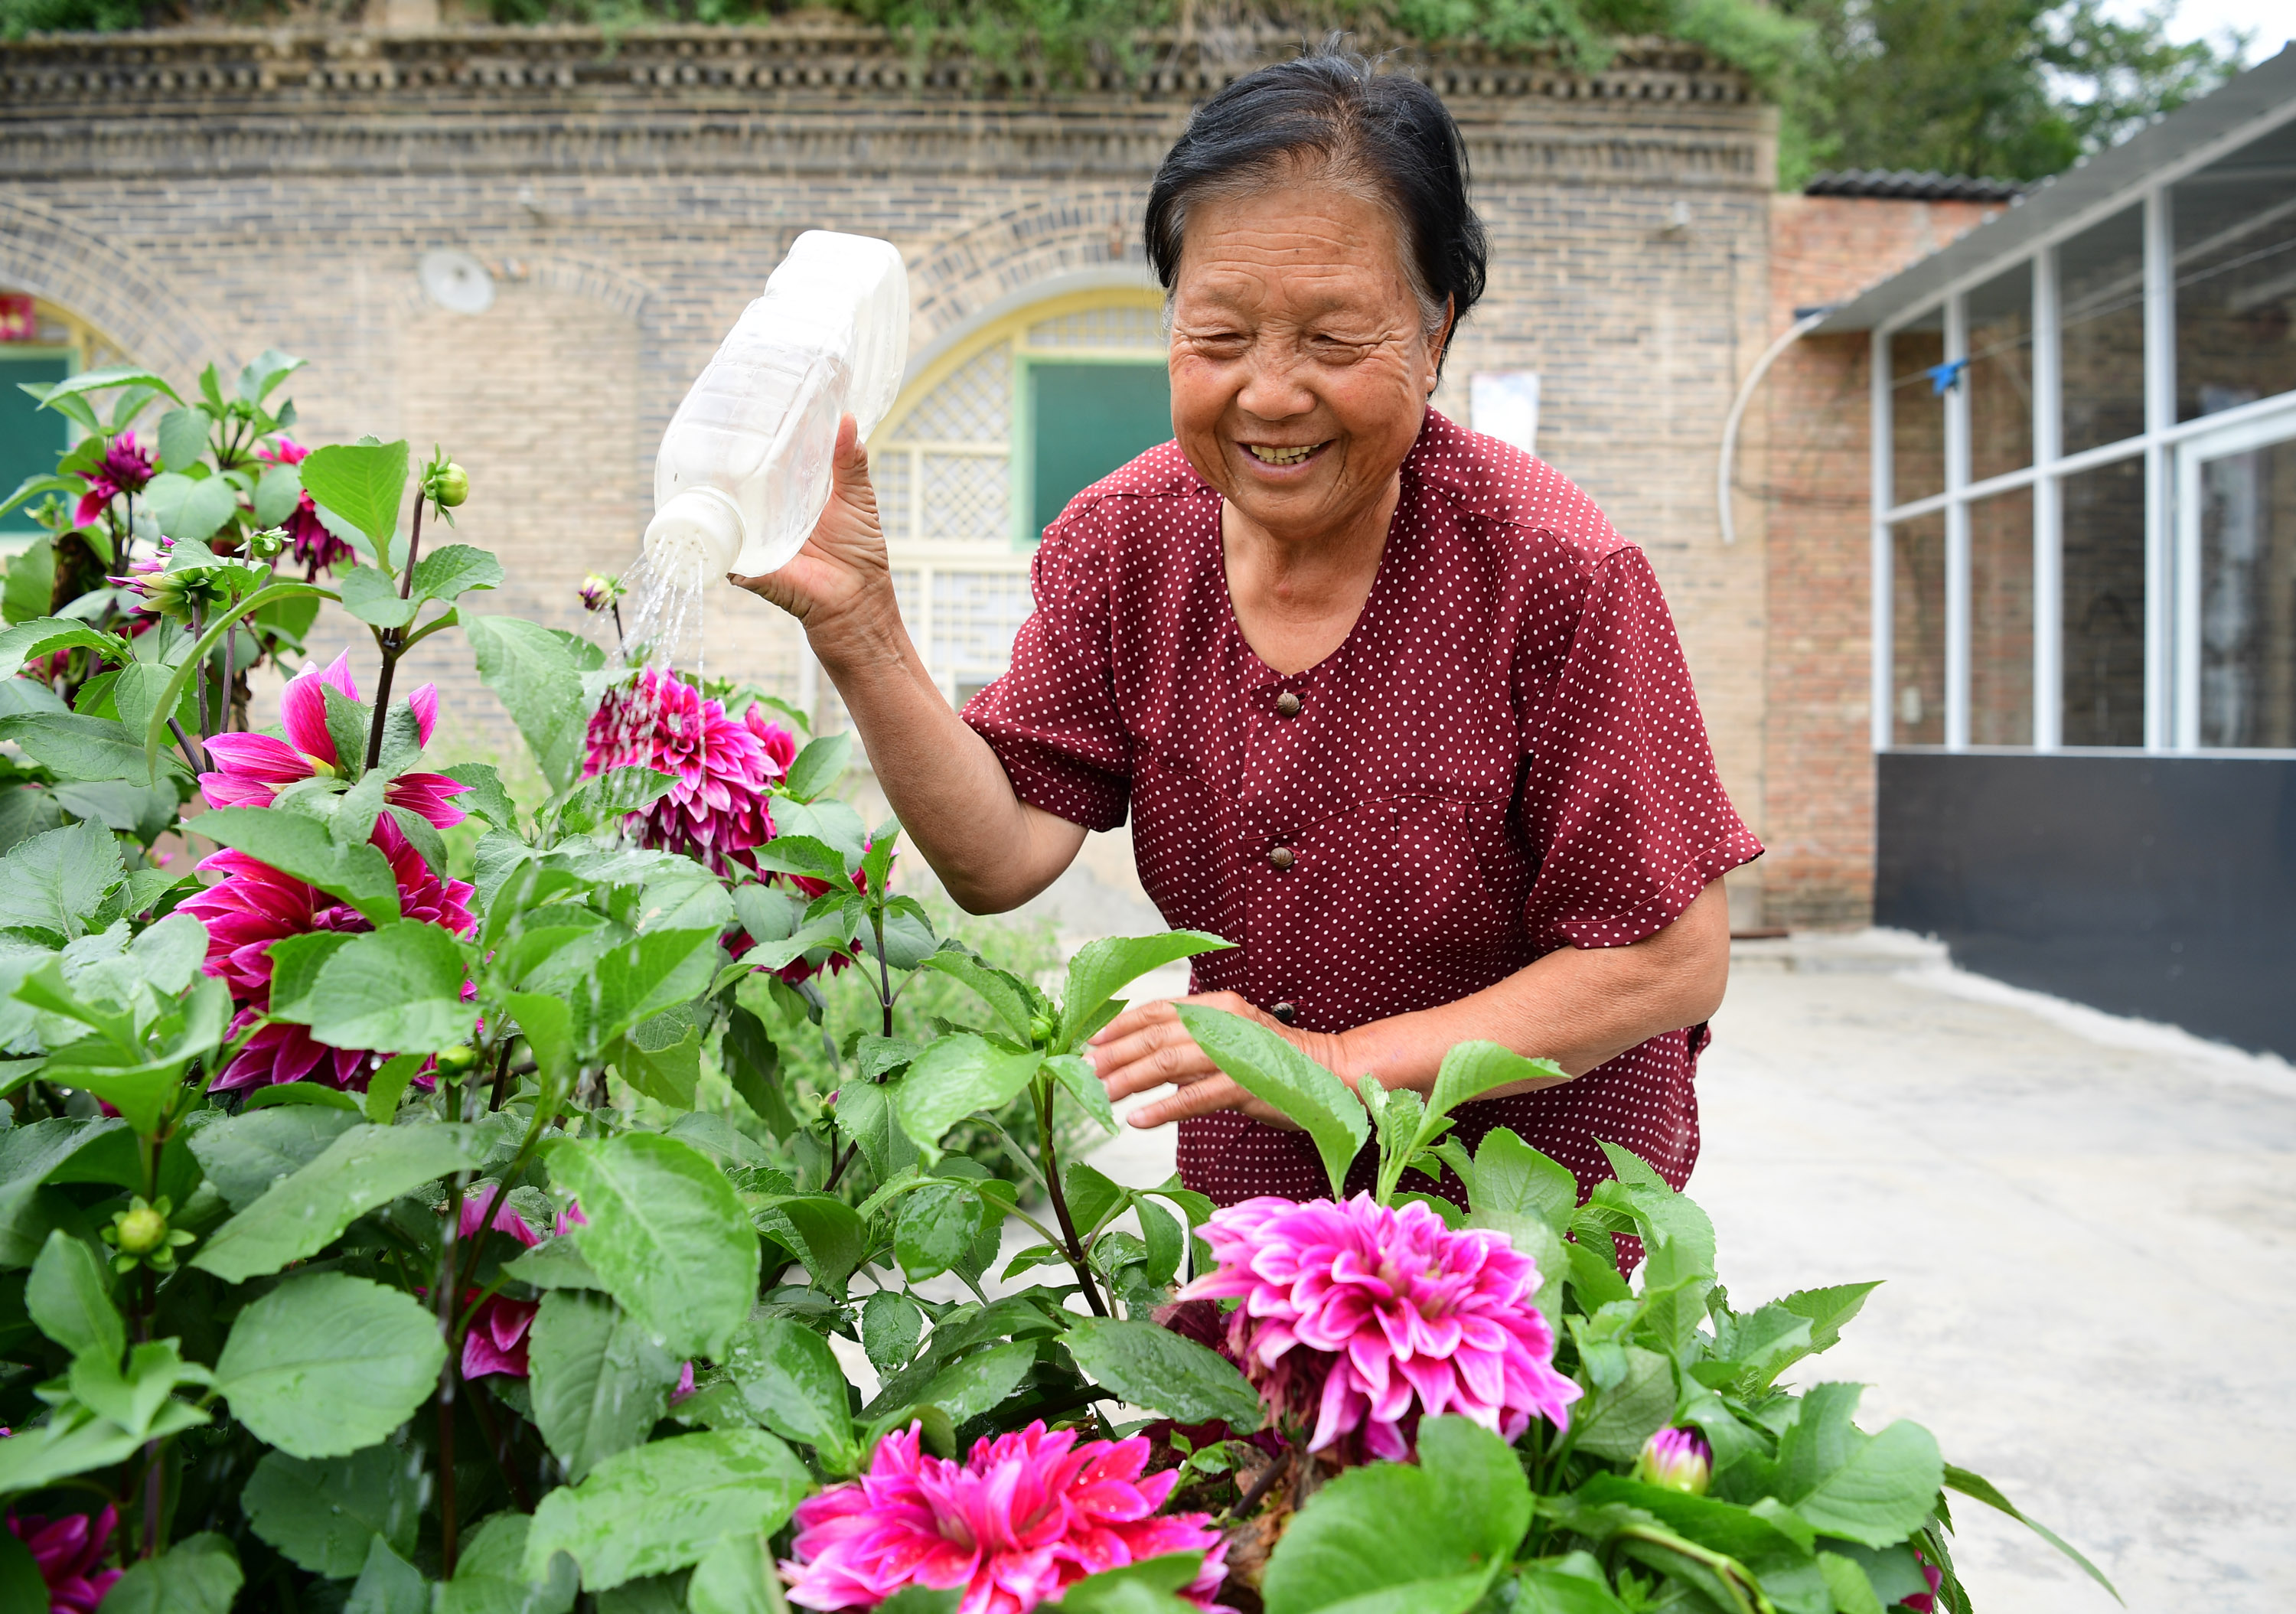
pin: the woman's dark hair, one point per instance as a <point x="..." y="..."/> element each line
<point x="1328" y="112"/>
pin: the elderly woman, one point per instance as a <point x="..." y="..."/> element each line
<point x="1393" y="707"/>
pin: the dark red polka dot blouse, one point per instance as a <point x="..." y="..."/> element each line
<point x="1503" y="757"/>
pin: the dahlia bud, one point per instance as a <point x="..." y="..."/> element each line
<point x="1041" y="1027"/>
<point x="458" y="1059"/>
<point x="1676" y="1460"/>
<point x="262" y="545"/>
<point x="449" y="486"/>
<point x="600" y="592"/>
<point x="141" y="1231"/>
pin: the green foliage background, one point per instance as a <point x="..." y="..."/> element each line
<point x="2010" y="88"/>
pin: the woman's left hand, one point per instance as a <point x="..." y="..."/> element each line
<point x="1147" y="1046"/>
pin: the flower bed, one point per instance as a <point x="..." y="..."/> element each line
<point x="406" y="1205"/>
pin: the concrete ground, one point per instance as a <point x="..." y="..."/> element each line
<point x="2087" y="1231"/>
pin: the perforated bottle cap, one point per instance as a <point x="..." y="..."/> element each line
<point x="701" y="520"/>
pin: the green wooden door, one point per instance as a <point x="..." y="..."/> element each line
<point x="1086" y="420"/>
<point x="30" y="437"/>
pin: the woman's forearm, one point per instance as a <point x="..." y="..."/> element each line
<point x="992" y="850"/>
<point x="1581" y="1007"/>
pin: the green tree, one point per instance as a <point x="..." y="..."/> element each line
<point x="2014" y="89"/>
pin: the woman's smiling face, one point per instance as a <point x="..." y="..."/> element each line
<point x="1301" y="364"/>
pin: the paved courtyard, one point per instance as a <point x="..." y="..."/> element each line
<point x="2087" y="1229"/>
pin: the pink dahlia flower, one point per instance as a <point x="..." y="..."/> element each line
<point x="313" y="547"/>
<point x="253" y="905"/>
<point x="1026" y="1517"/>
<point x="66" y="1552"/>
<point x="717" y="811"/>
<point x="1369" y="1319"/>
<point x="125" y="469"/>
<point x="257" y="767"/>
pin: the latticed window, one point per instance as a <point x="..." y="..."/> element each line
<point x="987" y="445"/>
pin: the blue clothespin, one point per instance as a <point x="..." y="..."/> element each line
<point x="1943" y="377"/>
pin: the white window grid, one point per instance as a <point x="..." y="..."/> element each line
<point x="2172" y="562"/>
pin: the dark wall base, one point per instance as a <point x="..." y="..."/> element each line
<point x="2163" y="888"/>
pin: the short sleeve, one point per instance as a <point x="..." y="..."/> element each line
<point x="1052" y="718"/>
<point x="1621" y="798"/>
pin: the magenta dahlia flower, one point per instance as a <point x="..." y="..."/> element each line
<point x="257" y="767"/>
<point x="1028" y="1515"/>
<point x="313" y="547"/>
<point x="123" y="469"/>
<point x="68" y="1551"/>
<point x="1368" y="1319"/>
<point x="717" y="811"/>
<point x="253" y="905"/>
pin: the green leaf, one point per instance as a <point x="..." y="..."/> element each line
<point x="737" y="1577"/>
<point x="278" y="493"/>
<point x="370" y="595"/>
<point x="640" y="978"/>
<point x="69" y="1295"/>
<point x="205" y="506"/>
<point x="1559" y="1588"/>
<point x="454" y="570"/>
<point x="598" y="1382"/>
<point x="554" y="1264"/>
<point x="600" y="802"/>
<point x="1845" y="1584"/>
<point x="397" y="988"/>
<point x="1677" y="1238"/>
<point x="1515" y="1180"/>
<point x="21" y="1584"/>
<point x="666" y="1505"/>
<point x="244" y="1156"/>
<point x="74" y="747"/>
<point x="388" y="1584"/>
<point x="1431" y="1538"/>
<point x="667" y="1234"/>
<point x="491" y="1579"/>
<point x="1004" y="994"/>
<point x="1271" y="1070"/>
<point x="53" y="883"/>
<point x="938" y="1223"/>
<point x="1081" y="1082"/>
<point x="31" y="488"/>
<point x="669" y="1074"/>
<point x="362" y="483"/>
<point x="366" y="1166"/>
<point x="487" y="796"/>
<point x="1471" y="1069"/>
<point x="29" y="592"/>
<point x="327" y="1364"/>
<point x="791" y="1379"/>
<point x="199" y="1575"/>
<point x="1873" y="1489"/>
<point x="1977" y="1486"/>
<point x="752" y="1066"/>
<point x="302" y="848"/>
<point x="819" y="766"/>
<point x="825" y="1233"/>
<point x="322" y="1515"/>
<point x="1152" y="1367"/>
<point x="45" y="635"/>
<point x="981" y="1382"/>
<point x="110" y="375"/>
<point x="264" y="372"/>
<point x="1101" y="969"/>
<point x="1829" y="1310"/>
<point x="891" y="1324"/>
<point x="534" y="676"/>
<point x="184" y="436"/>
<point x="1615" y="1422"/>
<point x="957" y="1076"/>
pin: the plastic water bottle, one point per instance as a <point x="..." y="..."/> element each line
<point x="744" y="469"/>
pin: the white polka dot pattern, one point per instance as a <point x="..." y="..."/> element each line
<point x="1503" y="757"/>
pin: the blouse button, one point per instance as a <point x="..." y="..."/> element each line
<point x="1285" y="1012"/>
<point x="1287" y="705"/>
<point x="1281" y="858"/>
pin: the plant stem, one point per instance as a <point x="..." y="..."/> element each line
<point x="185" y="741"/>
<point x="230" y="675"/>
<point x="390" y="642"/>
<point x="502" y="1455"/>
<point x="200" y="680"/>
<point x="447" y="1376"/>
<point x="502" y="1079"/>
<point x="1071" y="1246"/>
<point x="839" y="1163"/>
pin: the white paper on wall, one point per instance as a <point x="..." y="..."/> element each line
<point x="1504" y="404"/>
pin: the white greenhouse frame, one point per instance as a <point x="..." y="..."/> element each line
<point x="2172" y="453"/>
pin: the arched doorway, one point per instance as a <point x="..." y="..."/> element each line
<point x="988" y="444"/>
<point x="40" y="344"/>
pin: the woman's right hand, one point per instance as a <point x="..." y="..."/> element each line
<point x="841" y="584"/>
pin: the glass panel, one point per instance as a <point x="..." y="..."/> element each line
<point x="1917" y="632"/>
<point x="2000" y="377"/>
<point x="2001" y="619"/>
<point x="973" y="406"/>
<point x="1916" y="410"/>
<point x="2248" y="598"/>
<point x="966" y="495"/>
<point x="975" y="615"/>
<point x="1125" y="326"/>
<point x="2101" y="307"/>
<point x="2103" y="567"/>
<point x="30" y="437"/>
<point x="2235" y="234"/>
<point x="1090" y="420"/>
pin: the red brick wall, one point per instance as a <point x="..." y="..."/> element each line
<point x="1812" y="481"/>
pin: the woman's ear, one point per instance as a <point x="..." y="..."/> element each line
<point x="1442" y="340"/>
